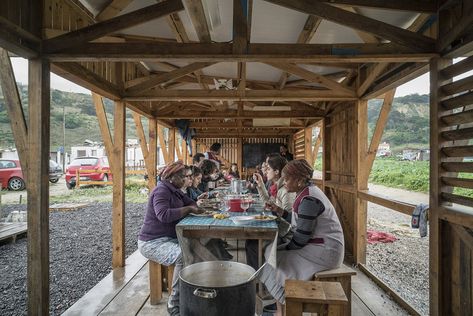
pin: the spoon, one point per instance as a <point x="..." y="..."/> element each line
<point x="254" y="275"/>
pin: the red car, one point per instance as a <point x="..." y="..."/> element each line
<point x="88" y="163"/>
<point x="11" y="176"/>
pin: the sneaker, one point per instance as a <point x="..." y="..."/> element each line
<point x="270" y="308"/>
<point x="173" y="311"/>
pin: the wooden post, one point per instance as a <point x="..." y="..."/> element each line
<point x="152" y="153"/>
<point x="359" y="240"/>
<point x="171" y="145"/>
<point x="308" y="145"/>
<point x="240" y="155"/>
<point x="118" y="171"/>
<point x="162" y="144"/>
<point x="38" y="187"/>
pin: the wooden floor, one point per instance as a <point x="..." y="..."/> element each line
<point x="125" y="291"/>
<point x="10" y="231"/>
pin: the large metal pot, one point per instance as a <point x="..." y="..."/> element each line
<point x="217" y="288"/>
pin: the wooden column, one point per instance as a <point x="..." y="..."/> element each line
<point x="240" y="155"/>
<point x="38" y="187"/>
<point x="162" y="144"/>
<point x="308" y="145"/>
<point x="152" y="153"/>
<point x="171" y="145"/>
<point x="116" y="155"/>
<point x="359" y="239"/>
<point x="118" y="203"/>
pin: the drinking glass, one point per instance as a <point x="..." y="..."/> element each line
<point x="245" y="204"/>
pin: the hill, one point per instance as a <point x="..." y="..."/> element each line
<point x="408" y="121"/>
<point x="76" y="110"/>
<point x="407" y="126"/>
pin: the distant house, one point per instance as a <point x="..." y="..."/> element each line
<point x="416" y="154"/>
<point x="133" y="156"/>
<point x="10" y="153"/>
<point x="384" y="150"/>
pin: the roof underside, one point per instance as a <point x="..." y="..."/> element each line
<point x="247" y="93"/>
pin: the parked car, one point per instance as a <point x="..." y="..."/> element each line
<point x="11" y="176"/>
<point x="99" y="164"/>
<point x="55" y="171"/>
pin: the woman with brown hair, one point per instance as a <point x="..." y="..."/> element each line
<point x="317" y="243"/>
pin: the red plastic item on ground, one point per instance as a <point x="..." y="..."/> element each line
<point x="374" y="236"/>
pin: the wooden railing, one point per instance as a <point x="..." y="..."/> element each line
<point x="107" y="172"/>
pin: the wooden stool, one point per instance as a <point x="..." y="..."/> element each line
<point x="342" y="275"/>
<point x="323" y="298"/>
<point x="159" y="277"/>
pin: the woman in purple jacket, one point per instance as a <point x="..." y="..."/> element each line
<point x="157" y="239"/>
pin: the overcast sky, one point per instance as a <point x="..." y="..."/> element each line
<point x="20" y="66"/>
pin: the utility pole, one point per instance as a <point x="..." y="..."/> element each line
<point x="64" y="137"/>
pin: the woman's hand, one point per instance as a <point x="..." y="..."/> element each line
<point x="258" y="179"/>
<point x="194" y="209"/>
<point x="274" y="208"/>
<point x="204" y="195"/>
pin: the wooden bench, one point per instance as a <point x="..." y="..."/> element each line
<point x="342" y="275"/>
<point x="323" y="298"/>
<point x="160" y="277"/>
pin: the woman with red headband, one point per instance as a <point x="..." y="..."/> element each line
<point x="317" y="243"/>
<point x="157" y="239"/>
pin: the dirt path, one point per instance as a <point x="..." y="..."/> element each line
<point x="13" y="197"/>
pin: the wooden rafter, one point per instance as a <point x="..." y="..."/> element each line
<point x="313" y="77"/>
<point x="195" y="10"/>
<point x="292" y="53"/>
<point x="18" y="40"/>
<point x="373" y="73"/>
<point x="94" y="31"/>
<point x="378" y="133"/>
<point x="232" y="114"/>
<point x="112" y="9"/>
<point x="104" y="126"/>
<point x="14" y="108"/>
<point x="398" y="5"/>
<point x="240" y="26"/>
<point x="86" y="78"/>
<point x="232" y="95"/>
<point x="359" y="22"/>
<point x="154" y="80"/>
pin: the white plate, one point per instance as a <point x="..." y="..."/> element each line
<point x="206" y="214"/>
<point x="241" y="220"/>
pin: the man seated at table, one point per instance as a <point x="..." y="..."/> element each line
<point x="317" y="243"/>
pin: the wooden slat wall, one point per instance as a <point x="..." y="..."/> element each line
<point x="340" y="166"/>
<point x="299" y="144"/>
<point x="230" y="146"/>
<point x="451" y="239"/>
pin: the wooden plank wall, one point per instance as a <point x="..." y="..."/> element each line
<point x="451" y="220"/>
<point x="299" y="144"/>
<point x="230" y="146"/>
<point x="340" y="152"/>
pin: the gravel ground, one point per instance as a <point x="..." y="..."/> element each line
<point x="404" y="264"/>
<point x="80" y="255"/>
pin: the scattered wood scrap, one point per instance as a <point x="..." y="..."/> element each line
<point x="67" y="206"/>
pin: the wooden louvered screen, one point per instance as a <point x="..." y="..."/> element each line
<point x="299" y="144"/>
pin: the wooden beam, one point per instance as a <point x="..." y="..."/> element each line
<point x="378" y="133"/>
<point x="359" y="22"/>
<point x="104" y="127"/>
<point x="401" y="207"/>
<point x="118" y="171"/>
<point x="244" y="115"/>
<point x="240" y="26"/>
<point x="373" y="73"/>
<point x="232" y="95"/>
<point x="313" y="77"/>
<point x="404" y="75"/>
<point x="149" y="149"/>
<point x="112" y="9"/>
<point x="459" y="27"/>
<point x="154" y="80"/>
<point x="292" y="53"/>
<point x="87" y="79"/>
<point x="172" y="145"/>
<point x="240" y="134"/>
<point x="17" y="40"/>
<point x="360" y="217"/>
<point x="162" y="144"/>
<point x="195" y="10"/>
<point x="247" y="123"/>
<point x="399" y="5"/>
<point x="14" y="109"/>
<point x="94" y="31"/>
<point x="38" y="186"/>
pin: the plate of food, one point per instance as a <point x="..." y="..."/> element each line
<point x="242" y="220"/>
<point x="264" y="218"/>
<point x="206" y="213"/>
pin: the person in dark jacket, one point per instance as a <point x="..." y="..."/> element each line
<point x="284" y="152"/>
<point x="210" y="174"/>
<point x="157" y="239"/>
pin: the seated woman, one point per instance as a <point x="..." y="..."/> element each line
<point x="210" y="174"/>
<point x="234" y="171"/>
<point x="193" y="191"/>
<point x="317" y="243"/>
<point x="278" y="199"/>
<point x="157" y="239"/>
